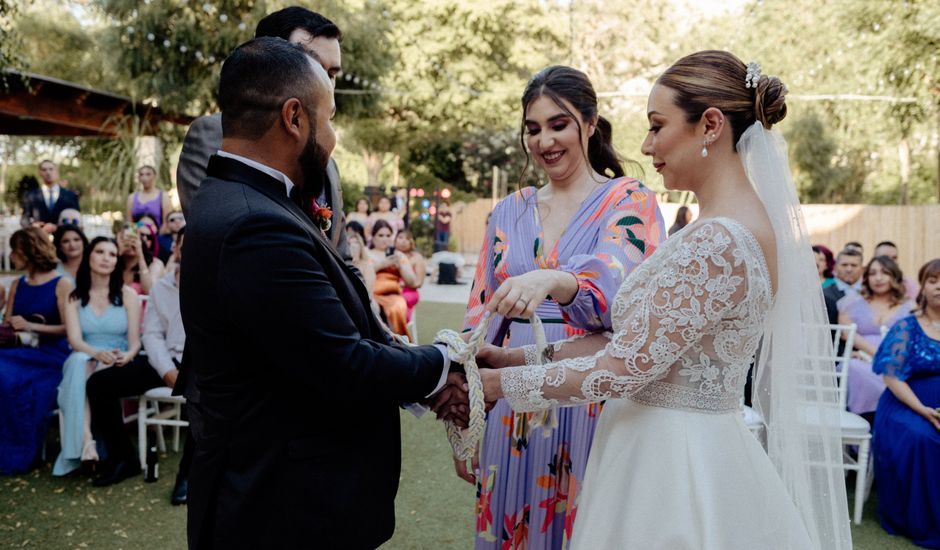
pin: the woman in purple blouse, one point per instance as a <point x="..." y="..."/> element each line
<point x="150" y="200"/>
<point x="560" y="251"/>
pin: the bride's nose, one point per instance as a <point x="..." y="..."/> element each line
<point x="647" y="146"/>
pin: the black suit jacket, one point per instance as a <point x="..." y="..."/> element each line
<point x="204" y="138"/>
<point x="832" y="295"/>
<point x="35" y="208"/>
<point x="297" y="428"/>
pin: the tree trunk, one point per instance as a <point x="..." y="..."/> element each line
<point x="904" y="162"/>
<point x="374" y="164"/>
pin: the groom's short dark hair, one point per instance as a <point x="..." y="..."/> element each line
<point x="284" y="22"/>
<point x="257" y="78"/>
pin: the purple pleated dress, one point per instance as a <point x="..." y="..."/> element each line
<point x="530" y="476"/>
<point x="866" y="387"/>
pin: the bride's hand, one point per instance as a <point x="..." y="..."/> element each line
<point x="519" y="296"/>
<point x="494" y="357"/>
<point x="492" y="388"/>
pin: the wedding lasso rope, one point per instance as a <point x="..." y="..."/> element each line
<point x="465" y="442"/>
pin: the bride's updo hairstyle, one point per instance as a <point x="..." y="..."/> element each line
<point x="714" y="78"/>
<point x="559" y="82"/>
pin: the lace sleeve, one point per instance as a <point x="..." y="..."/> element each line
<point x="666" y="314"/>
<point x="891" y="358"/>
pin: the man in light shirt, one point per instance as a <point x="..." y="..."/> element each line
<point x="163" y="339"/>
<point x="42" y="206"/>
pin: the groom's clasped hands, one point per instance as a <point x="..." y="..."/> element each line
<point x="516" y="297"/>
<point x="452" y="403"/>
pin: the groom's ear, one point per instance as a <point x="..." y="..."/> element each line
<point x="712" y="124"/>
<point x="291" y="111"/>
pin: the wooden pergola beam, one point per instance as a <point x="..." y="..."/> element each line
<point x="39" y="105"/>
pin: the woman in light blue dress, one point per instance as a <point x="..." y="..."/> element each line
<point x="102" y="320"/>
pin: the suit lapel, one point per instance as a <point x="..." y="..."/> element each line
<point x="233" y="170"/>
<point x="335" y="194"/>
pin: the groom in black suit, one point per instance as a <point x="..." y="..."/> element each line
<point x="297" y="419"/>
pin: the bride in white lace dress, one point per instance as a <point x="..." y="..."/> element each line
<point x="673" y="466"/>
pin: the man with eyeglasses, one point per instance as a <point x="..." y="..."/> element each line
<point x="174" y="222"/>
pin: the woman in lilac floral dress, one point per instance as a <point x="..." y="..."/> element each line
<point x="560" y="251"/>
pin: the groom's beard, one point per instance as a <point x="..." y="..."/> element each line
<point x="313" y="160"/>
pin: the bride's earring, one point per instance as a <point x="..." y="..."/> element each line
<point x="705" y="146"/>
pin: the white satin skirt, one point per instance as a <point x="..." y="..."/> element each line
<point x="669" y="479"/>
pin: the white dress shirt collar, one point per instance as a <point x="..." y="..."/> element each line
<point x="50" y="192"/>
<point x="276" y="174"/>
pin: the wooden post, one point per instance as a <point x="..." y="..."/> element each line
<point x="495" y="186"/>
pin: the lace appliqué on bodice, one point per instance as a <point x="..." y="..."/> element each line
<point x="687" y="323"/>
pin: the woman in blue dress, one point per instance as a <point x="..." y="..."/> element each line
<point x="29" y="375"/>
<point x="906" y="442"/>
<point x="102" y="319"/>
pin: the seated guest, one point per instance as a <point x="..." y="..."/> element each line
<point x="824" y="264"/>
<point x="137" y="247"/>
<point x="906" y="445"/>
<point x="356" y="227"/>
<point x="683" y="218"/>
<point x="167" y="237"/>
<point x="854" y="245"/>
<point x="102" y="319"/>
<point x="848" y="276"/>
<point x="70" y="216"/>
<point x="881" y="303"/>
<point x="29" y="375"/>
<point x="42" y="206"/>
<point x="69" y="242"/>
<point x="390" y="267"/>
<point x="405" y="243"/>
<point x="889" y="249"/>
<point x="360" y="257"/>
<point x="361" y="214"/>
<point x="163" y="340"/>
<point x="384" y="213"/>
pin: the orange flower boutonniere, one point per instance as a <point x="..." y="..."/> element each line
<point x="323" y="216"/>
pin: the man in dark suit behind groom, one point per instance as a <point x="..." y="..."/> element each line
<point x="297" y="419"/>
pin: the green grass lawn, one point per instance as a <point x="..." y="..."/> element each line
<point x="434" y="508"/>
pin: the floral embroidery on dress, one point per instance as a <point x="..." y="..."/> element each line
<point x="516" y="530"/>
<point x="484" y="511"/>
<point x="686" y="329"/>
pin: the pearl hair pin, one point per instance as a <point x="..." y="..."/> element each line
<point x="753" y="75"/>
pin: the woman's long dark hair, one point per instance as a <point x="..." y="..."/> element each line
<point x="565" y="83"/>
<point x="927" y="271"/>
<point x="83" y="276"/>
<point x="897" y="292"/>
<point x="830" y="259"/>
<point x="381" y="224"/>
<point x="60" y="234"/>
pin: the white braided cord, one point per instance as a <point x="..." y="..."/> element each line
<point x="465" y="442"/>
